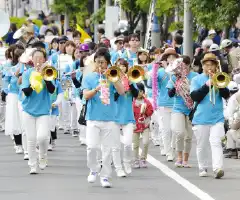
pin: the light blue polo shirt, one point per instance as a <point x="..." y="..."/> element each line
<point x="130" y="57"/>
<point x="58" y="90"/>
<point x="124" y="114"/>
<point x="179" y="105"/>
<point x="206" y="113"/>
<point x="96" y="110"/>
<point x="35" y="104"/>
<point x="163" y="100"/>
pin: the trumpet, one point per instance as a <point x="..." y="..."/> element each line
<point x="48" y="73"/>
<point x="136" y="74"/>
<point x="113" y="74"/>
<point x="218" y="80"/>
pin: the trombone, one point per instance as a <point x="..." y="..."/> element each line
<point x="218" y="80"/>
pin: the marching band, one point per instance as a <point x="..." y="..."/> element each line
<point x="108" y="97"/>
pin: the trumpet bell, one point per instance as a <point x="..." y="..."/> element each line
<point x="136" y="74"/>
<point x="36" y="81"/>
<point x="113" y="74"/>
<point x="221" y="80"/>
<point x="49" y="73"/>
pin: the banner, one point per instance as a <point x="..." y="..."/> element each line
<point x="84" y="34"/>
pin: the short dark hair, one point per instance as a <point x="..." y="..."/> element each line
<point x="41" y="51"/>
<point x="76" y="34"/>
<point x="38" y="44"/>
<point x="134" y="35"/>
<point x="117" y="33"/>
<point x="186" y="59"/>
<point x="13" y="27"/>
<point x="125" y="40"/>
<point x="16" y="55"/>
<point x="103" y="52"/>
<point x="178" y="39"/>
<point x="141" y="87"/>
<point x="101" y="30"/>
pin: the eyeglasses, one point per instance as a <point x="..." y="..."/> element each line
<point x="101" y="62"/>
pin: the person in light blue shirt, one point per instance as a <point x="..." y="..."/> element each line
<point x="125" y="120"/>
<point x="102" y="130"/>
<point x="12" y="119"/>
<point x="165" y="104"/>
<point x="179" y="89"/>
<point x="130" y="55"/>
<point x="56" y="99"/>
<point x="36" y="106"/>
<point x="208" y="118"/>
<point x="116" y="54"/>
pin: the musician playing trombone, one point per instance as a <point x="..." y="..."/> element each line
<point x="36" y="108"/>
<point x="208" y="118"/>
<point x="102" y="129"/>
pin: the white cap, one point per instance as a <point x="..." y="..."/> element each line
<point x="225" y="43"/>
<point x="233" y="86"/>
<point x="211" y="32"/>
<point x="207" y="43"/>
<point x="214" y="47"/>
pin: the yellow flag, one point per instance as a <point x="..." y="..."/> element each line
<point x="84" y="34"/>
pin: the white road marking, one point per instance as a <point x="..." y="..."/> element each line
<point x="180" y="180"/>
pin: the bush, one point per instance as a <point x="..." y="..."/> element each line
<point x="20" y="21"/>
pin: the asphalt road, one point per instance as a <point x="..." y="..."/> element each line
<point x="66" y="178"/>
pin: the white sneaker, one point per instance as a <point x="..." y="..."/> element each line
<point x="128" y="168"/>
<point x="163" y="152"/>
<point x="170" y="158"/>
<point x="105" y="182"/>
<point x="26" y="157"/>
<point x="203" y="173"/>
<point x="53" y="144"/>
<point x="33" y="170"/>
<point x="92" y="177"/>
<point x="19" y="150"/>
<point x="42" y="163"/>
<point x="120" y="173"/>
<point x="50" y="147"/>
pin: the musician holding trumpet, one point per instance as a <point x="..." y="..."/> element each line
<point x="101" y="131"/>
<point x="36" y="106"/>
<point x="208" y="118"/>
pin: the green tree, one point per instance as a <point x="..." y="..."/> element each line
<point x="215" y="13"/>
<point x="135" y="9"/>
<point x="75" y="10"/>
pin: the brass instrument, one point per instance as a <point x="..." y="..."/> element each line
<point x="113" y="74"/>
<point x="136" y="74"/>
<point x="48" y="73"/>
<point x="218" y="80"/>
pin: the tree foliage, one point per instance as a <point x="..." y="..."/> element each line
<point x="215" y="13"/>
<point x="76" y="9"/>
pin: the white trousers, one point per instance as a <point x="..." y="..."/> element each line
<point x="65" y="115"/>
<point x="53" y="122"/>
<point x="213" y="134"/>
<point x="102" y="135"/>
<point x="182" y="129"/>
<point x="154" y="127"/>
<point x="24" y="136"/>
<point x="126" y="138"/>
<point x="82" y="128"/>
<point x="167" y="137"/>
<point x="74" y="116"/>
<point x="233" y="142"/>
<point x="37" y="130"/>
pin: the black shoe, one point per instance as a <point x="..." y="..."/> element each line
<point x="66" y="132"/>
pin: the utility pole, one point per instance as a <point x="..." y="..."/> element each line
<point x="96" y="7"/>
<point x="188" y="30"/>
